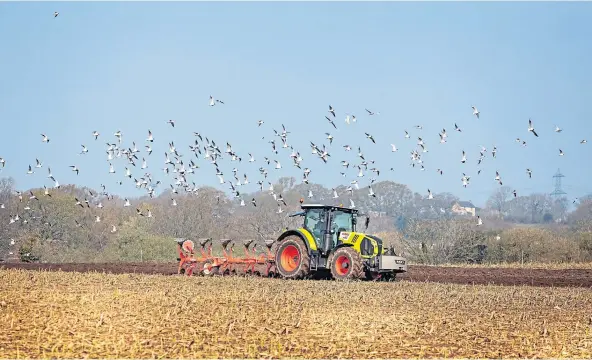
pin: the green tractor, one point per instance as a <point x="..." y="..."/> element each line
<point x="329" y="244"/>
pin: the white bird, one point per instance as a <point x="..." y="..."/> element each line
<point x="479" y="221"/>
<point x="96" y="134"/>
<point x="30" y="171"/>
<point x="475" y="112"/>
<point x="45" y="138"/>
<point x="55" y="14"/>
<point x="351" y="204"/>
<point x="111" y="169"/>
<point x="38" y="165"/>
<point x="464" y="157"/>
<point x="277" y="164"/>
<point x="560" y="152"/>
<point x="430" y="196"/>
<point x="331" y="110"/>
<point x="75" y="168"/>
<point x="557" y="129"/>
<point x="531" y="128"/>
<point x="394" y="148"/>
<point x="150" y="137"/>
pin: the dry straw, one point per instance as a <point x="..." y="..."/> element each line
<point x="94" y="315"/>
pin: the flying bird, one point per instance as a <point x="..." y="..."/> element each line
<point x="531" y="128"/>
<point x="331" y="121"/>
<point x="475" y="112"/>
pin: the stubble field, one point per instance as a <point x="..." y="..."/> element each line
<point x="75" y="315"/>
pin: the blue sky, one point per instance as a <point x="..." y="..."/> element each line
<point x="132" y="66"/>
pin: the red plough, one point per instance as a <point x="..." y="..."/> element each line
<point x="206" y="264"/>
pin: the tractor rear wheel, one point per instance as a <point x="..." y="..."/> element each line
<point x="346" y="264"/>
<point x="292" y="259"/>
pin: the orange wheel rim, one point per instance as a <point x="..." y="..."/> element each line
<point x="290" y="258"/>
<point x="342" y="265"/>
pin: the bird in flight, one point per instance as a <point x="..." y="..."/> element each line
<point x="331" y="121"/>
<point x="214" y="101"/>
<point x="475" y="112"/>
<point x="531" y="128"/>
<point x="55" y="14"/>
<point x="331" y="110"/>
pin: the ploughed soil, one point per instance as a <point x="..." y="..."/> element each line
<point x="457" y="275"/>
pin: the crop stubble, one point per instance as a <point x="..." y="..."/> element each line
<point x="68" y="314"/>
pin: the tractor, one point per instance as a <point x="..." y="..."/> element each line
<point x="328" y="245"/>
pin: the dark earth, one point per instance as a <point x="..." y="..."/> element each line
<point x="416" y="273"/>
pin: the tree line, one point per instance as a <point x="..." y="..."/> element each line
<point x="56" y="228"/>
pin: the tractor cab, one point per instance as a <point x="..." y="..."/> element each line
<point x="328" y="224"/>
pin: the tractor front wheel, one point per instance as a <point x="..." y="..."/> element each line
<point x="292" y="259"/>
<point x="346" y="264"/>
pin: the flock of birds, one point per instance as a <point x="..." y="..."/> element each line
<point x="182" y="167"/>
<point x="203" y="147"/>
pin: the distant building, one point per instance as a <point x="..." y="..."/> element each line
<point x="464" y="208"/>
<point x="377" y="213"/>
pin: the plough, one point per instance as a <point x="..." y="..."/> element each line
<point x="327" y="245"/>
<point x="206" y="264"/>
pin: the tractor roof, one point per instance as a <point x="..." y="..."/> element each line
<point x="319" y="206"/>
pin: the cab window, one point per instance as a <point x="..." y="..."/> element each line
<point x="342" y="220"/>
<point x="314" y="222"/>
